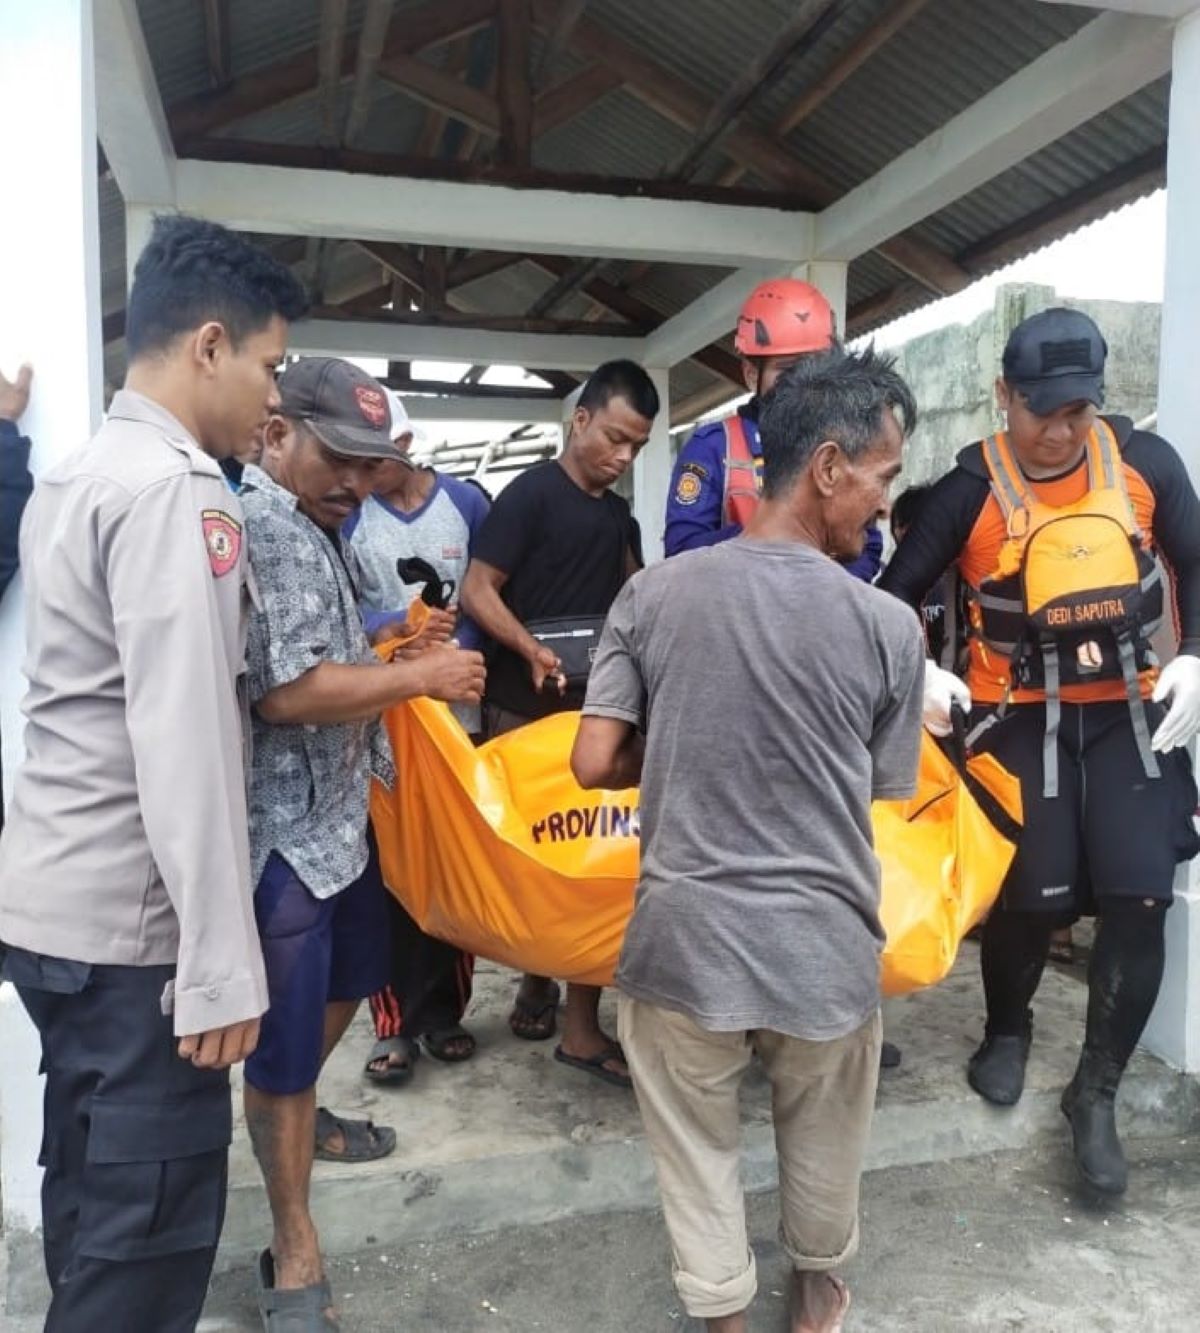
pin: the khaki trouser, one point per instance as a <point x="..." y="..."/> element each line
<point x="822" y="1095"/>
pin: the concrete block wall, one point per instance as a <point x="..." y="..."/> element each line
<point x="952" y="371"/>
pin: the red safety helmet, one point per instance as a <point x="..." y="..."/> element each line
<point x="784" y="317"/>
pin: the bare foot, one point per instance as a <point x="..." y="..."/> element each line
<point x="819" y="1303"/>
<point x="534" y="1015"/>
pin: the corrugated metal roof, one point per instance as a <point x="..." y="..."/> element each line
<point x="941" y="61"/>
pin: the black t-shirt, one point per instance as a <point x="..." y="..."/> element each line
<point x="564" y="552"/>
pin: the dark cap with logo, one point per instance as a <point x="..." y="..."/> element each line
<point x="343" y="406"/>
<point x="1056" y="357"/>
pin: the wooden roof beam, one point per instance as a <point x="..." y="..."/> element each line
<point x="372" y="37"/>
<point x="424" y="25"/>
<point x="1108" y="59"/>
<point x="513" y="82"/>
<point x="558" y="39"/>
<point x="678" y="101"/>
<point x="331" y="52"/>
<point x="851" y="60"/>
<point x="565" y="100"/>
<point x="216" y="41"/>
<point x="808" y="22"/>
<point x="442" y="91"/>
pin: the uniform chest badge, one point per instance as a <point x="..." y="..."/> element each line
<point x="222" y="540"/>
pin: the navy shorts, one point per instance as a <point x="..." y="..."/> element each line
<point x="1111" y="831"/>
<point x="315" y="950"/>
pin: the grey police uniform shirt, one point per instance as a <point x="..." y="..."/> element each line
<point x="780" y="696"/>
<point x="126" y="839"/>
<point x="309" y="785"/>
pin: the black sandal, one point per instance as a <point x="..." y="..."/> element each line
<point x="395" y="1071"/>
<point x="364" y="1140"/>
<point x="441" y="1043"/>
<point x="541" y="1020"/>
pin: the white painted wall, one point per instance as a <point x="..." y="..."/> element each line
<point x="1174" y="1028"/>
<point x="50" y="315"/>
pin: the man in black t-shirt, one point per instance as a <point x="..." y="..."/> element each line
<point x="559" y="543"/>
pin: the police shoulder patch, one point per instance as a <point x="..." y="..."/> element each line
<point x="222" y="540"/>
<point x="688" y="488"/>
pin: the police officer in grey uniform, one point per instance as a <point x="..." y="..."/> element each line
<point x="126" y="917"/>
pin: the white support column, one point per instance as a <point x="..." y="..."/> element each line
<point x="652" y="472"/>
<point x="829" y="278"/>
<point x="1174" y="1028"/>
<point x="51" y="317"/>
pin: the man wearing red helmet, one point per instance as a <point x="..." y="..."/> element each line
<point x="718" y="474"/>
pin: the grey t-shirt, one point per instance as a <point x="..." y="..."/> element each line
<point x="780" y="696"/>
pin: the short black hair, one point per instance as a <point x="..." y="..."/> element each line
<point x="193" y="271"/>
<point x="908" y="504"/>
<point x="839" y="396"/>
<point x="620" y="379"/>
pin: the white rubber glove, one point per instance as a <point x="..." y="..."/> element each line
<point x="942" y="689"/>
<point x="1180" y="683"/>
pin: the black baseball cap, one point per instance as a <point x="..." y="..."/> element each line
<point x="1056" y="357"/>
<point x="342" y="405"/>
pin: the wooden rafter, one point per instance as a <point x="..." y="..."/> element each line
<point x="808" y="23"/>
<point x="443" y="92"/>
<point x="558" y="39"/>
<point x="216" y="42"/>
<point x="331" y="52"/>
<point x="677" y="100"/>
<point x="424" y="25"/>
<point x="565" y="100"/>
<point x="372" y="37"/>
<point x="368" y="306"/>
<point x="1133" y="180"/>
<point x="433" y="265"/>
<point x="849" y="62"/>
<point x="513" y="82"/>
<point x="622" y="302"/>
<point x="429" y="140"/>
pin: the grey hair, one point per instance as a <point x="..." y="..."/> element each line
<point x="839" y="396"/>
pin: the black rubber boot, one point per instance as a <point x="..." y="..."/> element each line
<point x="889" y="1055"/>
<point x="1091" y="1111"/>
<point x="997" y="1069"/>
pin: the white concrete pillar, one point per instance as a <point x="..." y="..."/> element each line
<point x="1174" y="1028"/>
<point x="829" y="278"/>
<point x="50" y="316"/>
<point x="652" y="472"/>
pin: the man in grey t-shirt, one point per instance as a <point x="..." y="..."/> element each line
<point x="756" y="926"/>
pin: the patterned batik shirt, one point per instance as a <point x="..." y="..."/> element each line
<point x="309" y="785"/>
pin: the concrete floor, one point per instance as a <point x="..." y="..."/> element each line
<point x="527" y="1185"/>
<point x="994" y="1244"/>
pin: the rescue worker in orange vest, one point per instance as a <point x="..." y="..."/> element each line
<point x="1060" y="527"/>
<point x="718" y="475"/>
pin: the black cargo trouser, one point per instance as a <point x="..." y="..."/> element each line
<point x="135" y="1149"/>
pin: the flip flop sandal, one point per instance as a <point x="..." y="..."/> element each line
<point x="541" y="1019"/>
<point x="364" y="1140"/>
<point x="594" y="1065"/>
<point x="440" y="1044"/>
<point x="300" y="1310"/>
<point x="396" y="1071"/>
<point x="839" y="1314"/>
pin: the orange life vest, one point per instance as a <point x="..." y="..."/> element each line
<point x="743" y="475"/>
<point x="1075" y="593"/>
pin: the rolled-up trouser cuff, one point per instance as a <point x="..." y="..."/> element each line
<point x="713" y="1300"/>
<point x="812" y="1263"/>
